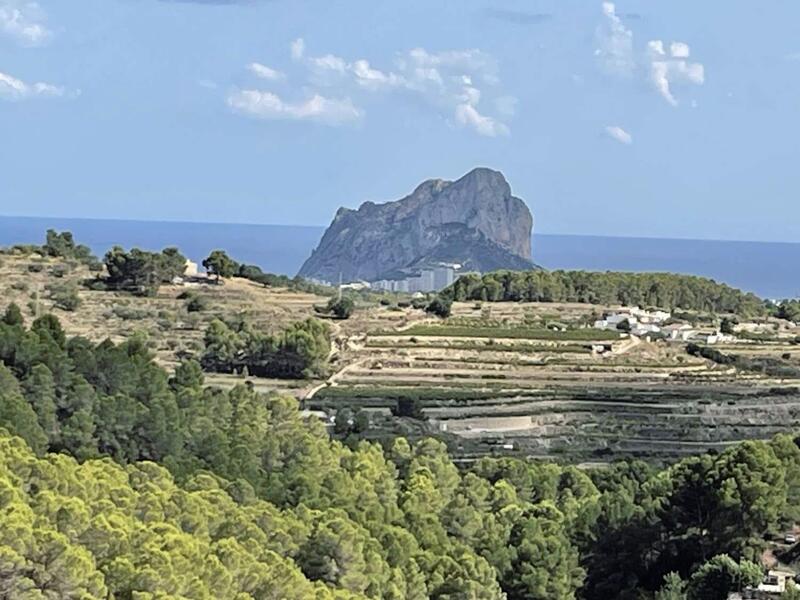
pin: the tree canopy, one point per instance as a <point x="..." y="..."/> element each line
<point x="299" y="351"/>
<point x="119" y="479"/>
<point x="219" y="264"/>
<point x="664" y="290"/>
<point x="141" y="271"/>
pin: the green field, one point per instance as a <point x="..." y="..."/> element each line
<point x="460" y="331"/>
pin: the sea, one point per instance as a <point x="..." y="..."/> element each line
<point x="769" y="269"/>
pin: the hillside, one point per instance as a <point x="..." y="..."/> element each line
<point x="513" y="378"/>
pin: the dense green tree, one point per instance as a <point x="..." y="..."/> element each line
<point x="16" y="413"/>
<point x="63" y="245"/>
<point x="544" y="563"/>
<point x="40" y="391"/>
<point x="674" y="588"/>
<point x="645" y="289"/>
<point x="301" y="350"/>
<point x="439" y="306"/>
<point x="722" y="575"/>
<point x="141" y="271"/>
<point x="13" y="315"/>
<point x="219" y="264"/>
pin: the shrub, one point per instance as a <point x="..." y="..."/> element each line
<point x="59" y="271"/>
<point x="341" y="308"/>
<point x="419" y="303"/>
<point x="439" y="307"/>
<point x="130" y="313"/>
<point x="197" y="304"/>
<point x="65" y="296"/>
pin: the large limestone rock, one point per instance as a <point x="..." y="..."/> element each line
<point x="474" y="221"/>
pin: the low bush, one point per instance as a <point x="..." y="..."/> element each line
<point x="197" y="304"/>
<point x="64" y="296"/>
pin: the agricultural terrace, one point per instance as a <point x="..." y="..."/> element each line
<point x="535" y="380"/>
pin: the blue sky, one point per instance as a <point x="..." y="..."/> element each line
<point x="672" y="119"/>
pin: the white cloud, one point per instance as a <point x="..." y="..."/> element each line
<point x="619" y="134"/>
<point x="23" y="21"/>
<point x="448" y="80"/>
<point x="663" y="69"/>
<point x="468" y="116"/>
<point x="266" y="105"/>
<point x="265" y="72"/>
<point x="374" y="79"/>
<point x="679" y="50"/>
<point x="472" y="61"/>
<point x="615" y="43"/>
<point x="12" y="88"/>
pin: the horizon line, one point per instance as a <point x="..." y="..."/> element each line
<point x="534" y="233"/>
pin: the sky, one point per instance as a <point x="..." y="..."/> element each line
<point x="633" y="118"/>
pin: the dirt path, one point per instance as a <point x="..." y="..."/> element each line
<point x="333" y="380"/>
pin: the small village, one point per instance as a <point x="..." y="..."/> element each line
<point x="659" y="325"/>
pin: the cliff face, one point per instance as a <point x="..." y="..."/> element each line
<point x="474" y="221"/>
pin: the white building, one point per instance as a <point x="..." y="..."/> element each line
<point x="642" y="322"/>
<point x="191" y="269"/>
<point x="679" y="332"/>
<point x="710" y="337"/>
<point x="426" y="280"/>
<point x="443" y="277"/>
<point x="643" y="329"/>
<point x="356" y="285"/>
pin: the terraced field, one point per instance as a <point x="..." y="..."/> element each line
<point x="556" y="391"/>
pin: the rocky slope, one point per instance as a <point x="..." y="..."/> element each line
<point x="474" y="221"/>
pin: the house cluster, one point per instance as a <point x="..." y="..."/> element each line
<point x="644" y="323"/>
<point x="641" y="322"/>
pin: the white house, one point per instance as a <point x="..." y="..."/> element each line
<point x="191" y="269"/>
<point x="643" y="329"/>
<point x="646" y="321"/>
<point x="680" y="332"/>
<point x="710" y="337"/>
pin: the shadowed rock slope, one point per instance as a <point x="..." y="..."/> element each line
<point x="474" y="221"/>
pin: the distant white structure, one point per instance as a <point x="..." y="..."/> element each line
<point x="775" y="582"/>
<point x="356" y="286"/>
<point x="679" y="332"/>
<point x="191" y="269"/>
<point x="425" y="280"/>
<point x="642" y="322"/>
<point x="710" y="337"/>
